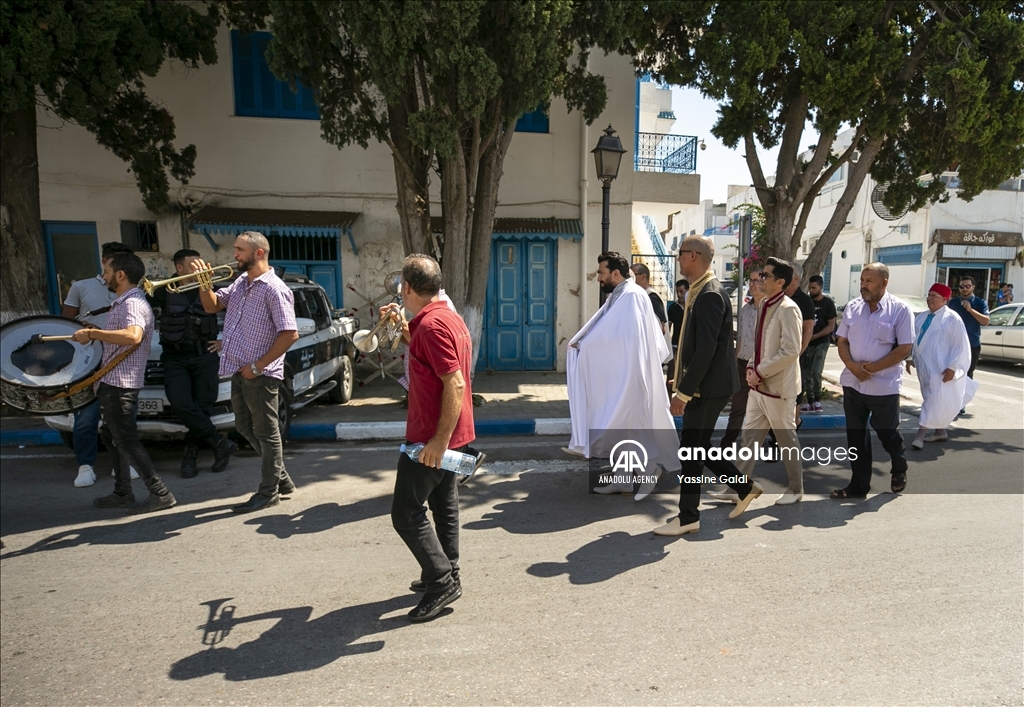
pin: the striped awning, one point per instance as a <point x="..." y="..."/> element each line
<point x="222" y="221"/>
<point x="528" y="228"/>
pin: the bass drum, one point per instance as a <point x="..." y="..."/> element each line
<point x="32" y="373"/>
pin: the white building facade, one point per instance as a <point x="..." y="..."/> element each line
<point x="330" y="214"/>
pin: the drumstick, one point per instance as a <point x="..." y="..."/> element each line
<point x="39" y="338"/>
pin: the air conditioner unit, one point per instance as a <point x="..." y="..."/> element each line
<point x="855" y="157"/>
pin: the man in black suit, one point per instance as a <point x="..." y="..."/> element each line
<point x="704" y="381"/>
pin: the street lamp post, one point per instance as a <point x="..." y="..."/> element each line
<point x="607" y="157"/>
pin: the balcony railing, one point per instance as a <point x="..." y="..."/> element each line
<point x="657" y="152"/>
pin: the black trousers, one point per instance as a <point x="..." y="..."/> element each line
<point x="739" y="406"/>
<point x="975" y="353"/>
<point x="191" y="383"/>
<point x="699" y="420"/>
<point x="436" y="549"/>
<point x="883" y="413"/>
<point x="121" y="436"/>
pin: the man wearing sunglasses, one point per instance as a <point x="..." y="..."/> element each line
<point x="703" y="382"/>
<point x="974" y="311"/>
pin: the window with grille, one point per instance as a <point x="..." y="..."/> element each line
<point x="258" y="93"/>
<point x="303" y="248"/>
<point x="139" y="235"/>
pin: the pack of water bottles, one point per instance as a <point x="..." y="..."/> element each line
<point x="455" y="462"/>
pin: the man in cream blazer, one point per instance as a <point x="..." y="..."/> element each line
<point x="773" y="375"/>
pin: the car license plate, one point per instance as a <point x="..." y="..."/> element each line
<point x="151" y="406"/>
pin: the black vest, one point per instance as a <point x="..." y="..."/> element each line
<point x="185" y="327"/>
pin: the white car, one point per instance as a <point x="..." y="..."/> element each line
<point x="1003" y="338"/>
<point x="318" y="364"/>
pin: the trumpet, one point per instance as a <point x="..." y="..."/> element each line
<point x="387" y="330"/>
<point x="203" y="279"/>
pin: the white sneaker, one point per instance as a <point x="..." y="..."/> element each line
<point x="86" y="476"/>
<point x="134" y="474"/>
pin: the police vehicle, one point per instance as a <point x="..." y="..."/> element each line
<point x="318" y="364"/>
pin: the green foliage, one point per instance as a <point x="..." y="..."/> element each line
<point x="89" y="60"/>
<point x="448" y="63"/>
<point x="939" y="83"/>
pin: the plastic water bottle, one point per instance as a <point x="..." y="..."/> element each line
<point x="453" y="461"/>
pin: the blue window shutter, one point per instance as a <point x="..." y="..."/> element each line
<point x="258" y="93"/>
<point x="534" y="122"/>
<point x="242" y="68"/>
<point x="900" y="254"/>
<point x="827" y="275"/>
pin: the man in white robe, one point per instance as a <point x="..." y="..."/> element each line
<point x="942" y="355"/>
<point x="614" y="372"/>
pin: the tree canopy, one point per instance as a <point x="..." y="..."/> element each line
<point x="87" y="61"/>
<point x="441" y="82"/>
<point x="926" y="85"/>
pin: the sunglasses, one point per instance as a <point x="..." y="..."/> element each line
<point x="765" y="275"/>
<point x="686" y="251"/>
<point x="966" y="287"/>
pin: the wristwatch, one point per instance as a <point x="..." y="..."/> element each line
<point x="255" y="371"/>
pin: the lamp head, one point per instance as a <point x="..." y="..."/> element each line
<point x="608" y="155"/>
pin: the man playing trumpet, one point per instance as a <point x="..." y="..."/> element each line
<point x="259" y="327"/>
<point x="188" y="338"/>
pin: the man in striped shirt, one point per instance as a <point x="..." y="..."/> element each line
<point x="259" y="327"/>
<point x="129" y="324"/>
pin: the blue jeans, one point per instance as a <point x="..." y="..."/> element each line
<point x="86" y="433"/>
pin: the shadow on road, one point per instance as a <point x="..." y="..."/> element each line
<point x="294" y="644"/>
<point x="318" y="519"/>
<point x="148" y="529"/>
<point x="608" y="556"/>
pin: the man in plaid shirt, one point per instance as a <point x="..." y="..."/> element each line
<point x="129" y="323"/>
<point x="259" y="327"/>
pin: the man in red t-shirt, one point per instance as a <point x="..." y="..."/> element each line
<point x="440" y="417"/>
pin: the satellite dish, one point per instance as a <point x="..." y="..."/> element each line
<point x="877" y="194"/>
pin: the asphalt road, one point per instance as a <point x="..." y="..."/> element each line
<point x="568" y="597"/>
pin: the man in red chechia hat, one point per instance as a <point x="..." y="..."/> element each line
<point x="942" y="355"/>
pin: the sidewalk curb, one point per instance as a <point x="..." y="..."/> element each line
<point x="395" y="430"/>
<point x="30" y="438"/>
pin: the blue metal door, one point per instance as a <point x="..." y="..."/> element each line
<point x="520" y="321"/>
<point x="327" y="275"/>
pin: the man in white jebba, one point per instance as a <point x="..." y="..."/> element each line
<point x="614" y="372"/>
<point x="942" y="355"/>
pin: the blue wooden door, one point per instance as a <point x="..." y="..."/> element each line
<point x="520" y="306"/>
<point x="539" y="322"/>
<point x="72" y="253"/>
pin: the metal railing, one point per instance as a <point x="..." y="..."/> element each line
<point x="657" y="152"/>
<point x="663" y="273"/>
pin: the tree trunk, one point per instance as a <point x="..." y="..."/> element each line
<point x="779" y="218"/>
<point x="412" y="167"/>
<point x="458" y="214"/>
<point x="859" y="171"/>
<point x="22" y="253"/>
<point x="492" y="162"/>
